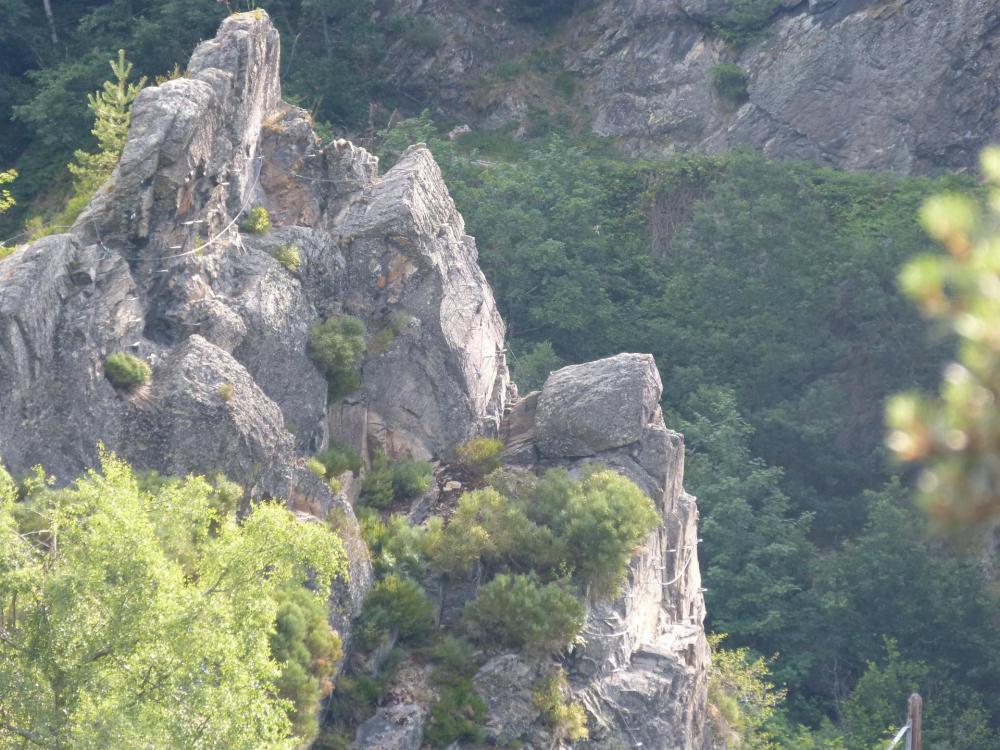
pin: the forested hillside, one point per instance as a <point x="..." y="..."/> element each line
<point x="767" y="291"/>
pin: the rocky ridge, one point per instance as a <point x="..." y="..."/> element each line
<point x="158" y="266"/>
<point x="905" y="85"/>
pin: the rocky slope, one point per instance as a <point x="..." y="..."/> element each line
<point x="158" y="266"/>
<point x="906" y="85"/>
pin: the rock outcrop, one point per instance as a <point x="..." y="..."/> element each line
<point x="641" y="667"/>
<point x="158" y="266"/>
<point x="906" y="85"/>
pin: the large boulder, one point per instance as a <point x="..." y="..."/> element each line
<point x="587" y="409"/>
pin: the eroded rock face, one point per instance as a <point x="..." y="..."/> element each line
<point x="506" y="683"/>
<point x="858" y="84"/>
<point x="158" y="266"/>
<point x="641" y="666"/>
<point x="396" y="727"/>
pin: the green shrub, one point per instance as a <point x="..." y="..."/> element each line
<point x="411" y="478"/>
<point x="397" y="547"/>
<point x="308" y="650"/>
<point x="258" y="221"/>
<point x="376" y="489"/>
<point x="454" y="660"/>
<point x="316" y="467"/>
<point x="337" y="345"/>
<point x="739" y="21"/>
<point x="516" y="611"/>
<point x="457" y="716"/>
<point x="490" y="527"/>
<point x="338" y="458"/>
<point x="396" y="605"/>
<point x="729" y="81"/>
<point x="601" y="521"/>
<point x="226" y="392"/>
<point x="568" y="721"/>
<point x="126" y="370"/>
<point x="479" y="455"/>
<point x="288" y="256"/>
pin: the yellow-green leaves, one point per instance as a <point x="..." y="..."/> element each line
<point x="6" y="199"/>
<point x="144" y="612"/>
<point x="957" y="434"/>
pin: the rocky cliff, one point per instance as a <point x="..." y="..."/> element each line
<point x="158" y="266"/>
<point x="906" y="85"/>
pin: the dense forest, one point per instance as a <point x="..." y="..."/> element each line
<point x="767" y="292"/>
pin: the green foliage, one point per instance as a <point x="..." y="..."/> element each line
<point x="6" y="199"/>
<point x="457" y="716"/>
<point x="739" y="21"/>
<point x="226" y="392"/>
<point x="553" y="526"/>
<point x="376" y="489"/>
<point x="112" y="108"/>
<point x="109" y="640"/>
<point x="126" y="370"/>
<point x="387" y="482"/>
<point x="336" y="346"/>
<point x="956" y="434"/>
<point x="492" y="528"/>
<point x="516" y="611"/>
<point x="532" y="367"/>
<point x="479" y="455"/>
<point x="945" y="593"/>
<point x="308" y="651"/>
<point x="258" y="221"/>
<point x="600" y="522"/>
<point x="395" y="605"/>
<point x="288" y="256"/>
<point x="756" y="568"/>
<point x="338" y="458"/>
<point x="316" y="467"/>
<point x="743" y="697"/>
<point x="567" y="721"/>
<point x="454" y="661"/>
<point x="411" y="478"/>
<point x="729" y="81"/>
<point x="396" y="547"/>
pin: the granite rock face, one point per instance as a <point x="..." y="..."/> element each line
<point x="158" y="266"/>
<point x="641" y="666"/>
<point x="396" y="727"/>
<point x="905" y="85"/>
<point x="586" y="409"/>
<point x="506" y="683"/>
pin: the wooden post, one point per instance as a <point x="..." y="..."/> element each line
<point x="915" y="709"/>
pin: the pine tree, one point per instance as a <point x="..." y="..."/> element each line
<point x="112" y="108"/>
